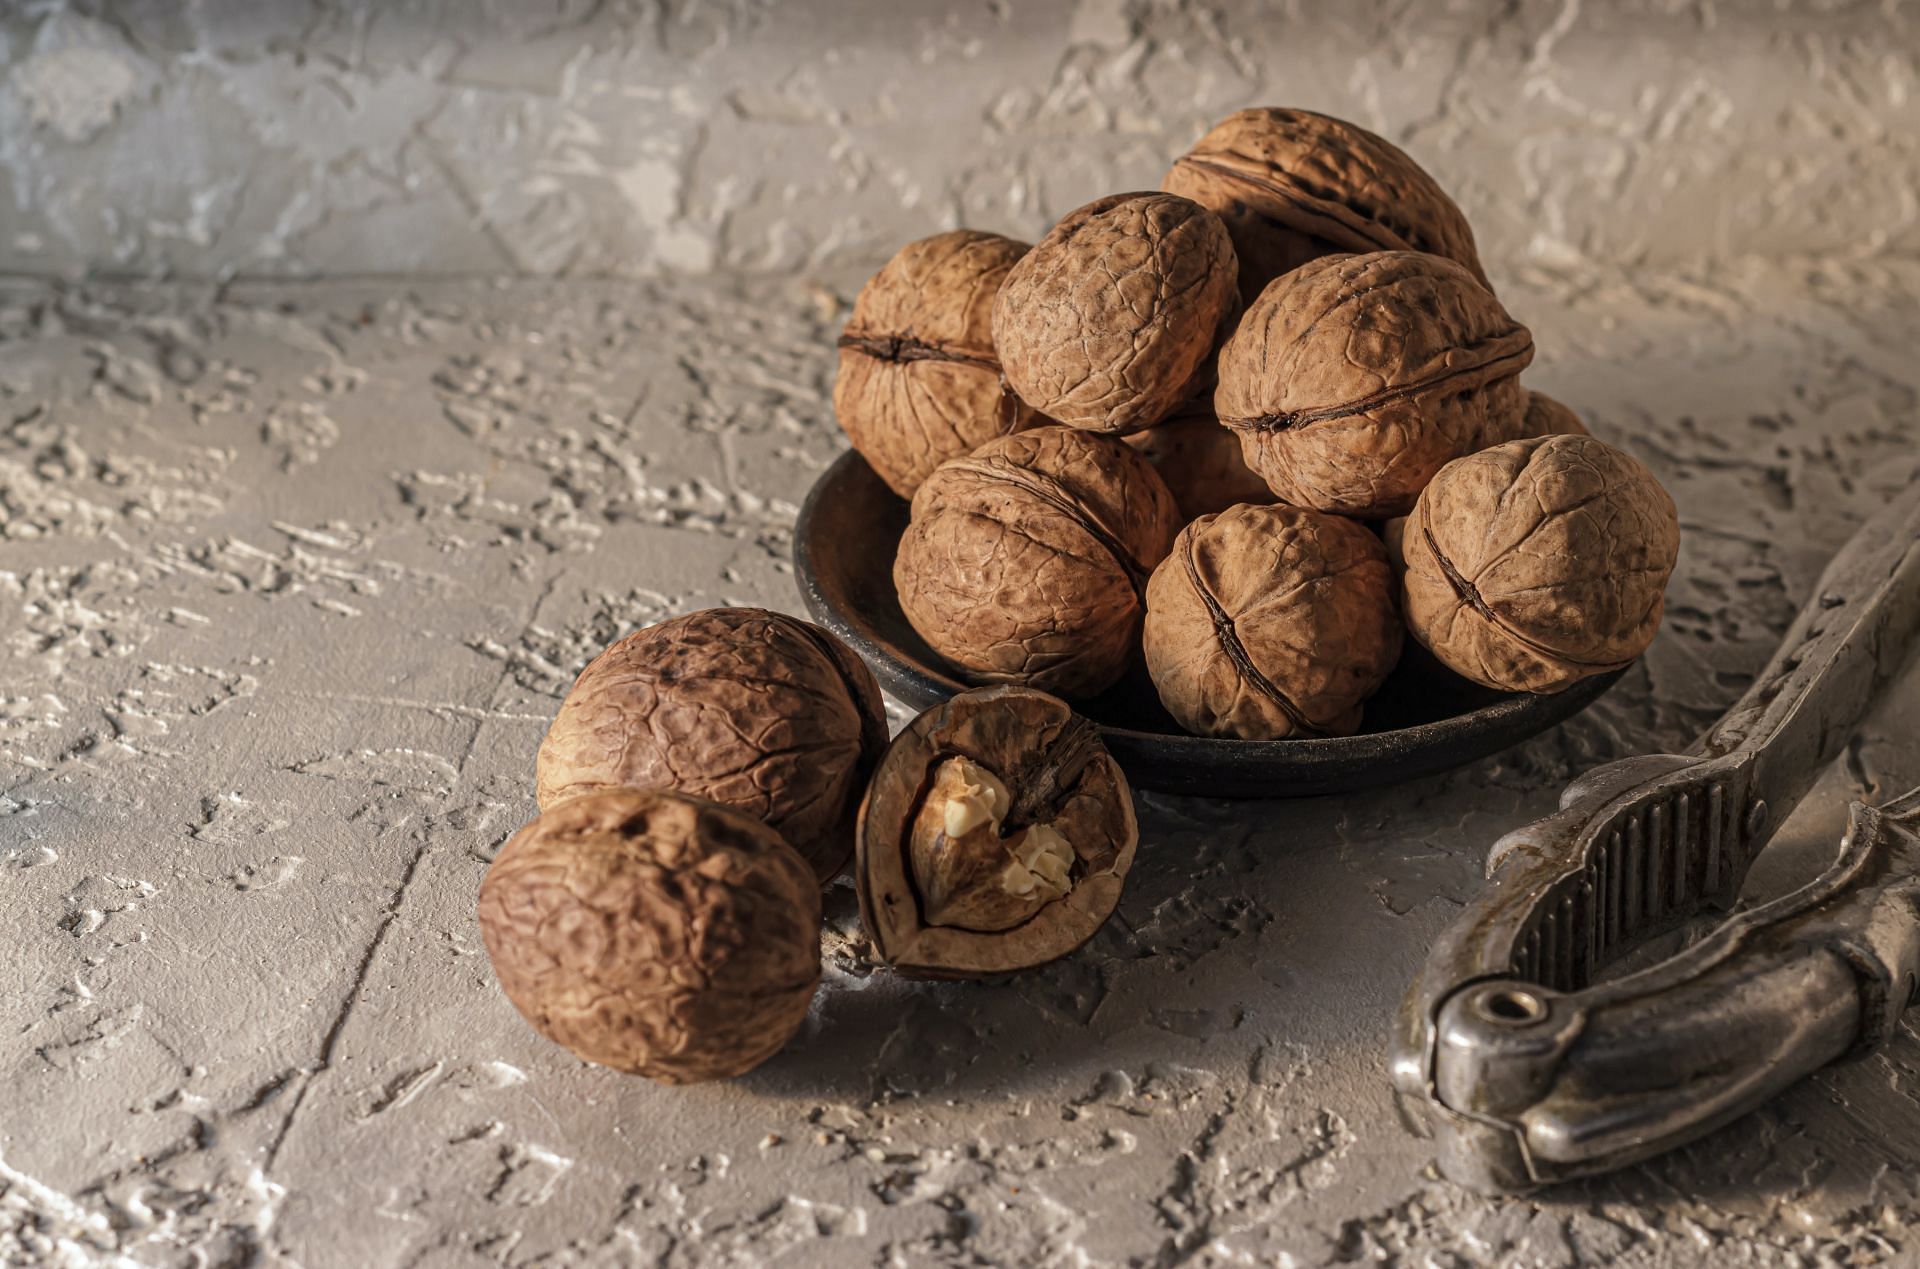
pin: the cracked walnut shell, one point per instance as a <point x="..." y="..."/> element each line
<point x="1292" y="186"/>
<point x="752" y="709"/>
<point x="1270" y="622"/>
<point x="996" y="836"/>
<point x="1353" y="379"/>
<point x="1024" y="562"/>
<point x="1108" y="321"/>
<point x="919" y="381"/>
<point x="654" y="933"/>
<point x="1536" y="563"/>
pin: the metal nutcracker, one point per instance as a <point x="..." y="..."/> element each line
<point x="1532" y="1072"/>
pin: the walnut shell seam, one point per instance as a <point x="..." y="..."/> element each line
<point x="1229" y="637"/>
<point x="1510" y="352"/>
<point x="1317" y="209"/>
<point x="1470" y="595"/>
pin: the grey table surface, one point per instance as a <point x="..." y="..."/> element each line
<point x="292" y="577"/>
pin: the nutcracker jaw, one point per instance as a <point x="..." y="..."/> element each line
<point x="1529" y="1071"/>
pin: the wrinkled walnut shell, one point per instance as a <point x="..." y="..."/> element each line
<point x="919" y="382"/>
<point x="752" y="709"/>
<point x="1353" y="379"/>
<point x="1053" y="764"/>
<point x="654" y="933"/>
<point x="1539" y="562"/>
<point x="1547" y="417"/>
<point x="1270" y="622"/>
<point x="1200" y="460"/>
<point x="1293" y="186"/>
<point x="1106" y="323"/>
<point x="1024" y="561"/>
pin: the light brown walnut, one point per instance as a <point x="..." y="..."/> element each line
<point x="1547" y="417"/>
<point x="1024" y="562"/>
<point x="1200" y="460"/>
<point x="1293" y="186"/>
<point x="654" y="933"/>
<point x="919" y="381"/>
<point x="1270" y="622"/>
<point x="1109" y="322"/>
<point x="1354" y="378"/>
<point x="753" y="709"/>
<point x="1537" y="563"/>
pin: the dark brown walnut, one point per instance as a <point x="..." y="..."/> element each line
<point x="1270" y="622"/>
<point x="654" y="933"/>
<point x="996" y="836"/>
<point x="1547" y="417"/>
<point x="1293" y="186"/>
<point x="919" y="382"/>
<point x="1200" y="460"/>
<point x="1107" y="323"/>
<point x="1353" y="379"/>
<point x="1025" y="561"/>
<point x="1536" y="563"/>
<point x="748" y="708"/>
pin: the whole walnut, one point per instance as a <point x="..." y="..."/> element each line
<point x="1024" y="561"/>
<point x="1353" y="379"/>
<point x="748" y="708"/>
<point x="1539" y="562"/>
<point x="1547" y="417"/>
<point x="1108" y="321"/>
<point x="995" y="836"/>
<point x="1292" y="186"/>
<point x="654" y="933"/>
<point x="919" y="382"/>
<point x="1200" y="460"/>
<point x="1270" y="622"/>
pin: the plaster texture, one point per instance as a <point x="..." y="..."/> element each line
<point x="293" y="573"/>
<point x="293" y="576"/>
<point x="639" y="137"/>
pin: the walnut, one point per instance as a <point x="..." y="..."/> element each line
<point x="1536" y="563"/>
<point x="1269" y="622"/>
<point x="748" y="708"/>
<point x="996" y="836"/>
<point x="919" y="382"/>
<point x="1292" y="186"/>
<point x="654" y="933"/>
<point x="1200" y="460"/>
<point x="1024" y="561"/>
<point x="1354" y="378"/>
<point x="1108" y="321"/>
<point x="1547" y="417"/>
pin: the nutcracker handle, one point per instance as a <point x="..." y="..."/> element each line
<point x="1545" y="1086"/>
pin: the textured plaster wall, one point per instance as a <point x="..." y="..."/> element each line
<point x="209" y="138"/>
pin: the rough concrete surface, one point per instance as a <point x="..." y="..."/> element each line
<point x="635" y="137"/>
<point x="293" y="574"/>
<point x="292" y="577"/>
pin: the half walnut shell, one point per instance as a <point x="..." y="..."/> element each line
<point x="996" y="836"/>
<point x="1292" y="185"/>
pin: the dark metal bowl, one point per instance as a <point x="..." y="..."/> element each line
<point x="1425" y="719"/>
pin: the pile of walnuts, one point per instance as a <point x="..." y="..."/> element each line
<point x="1292" y="351"/>
<point x="706" y="776"/>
